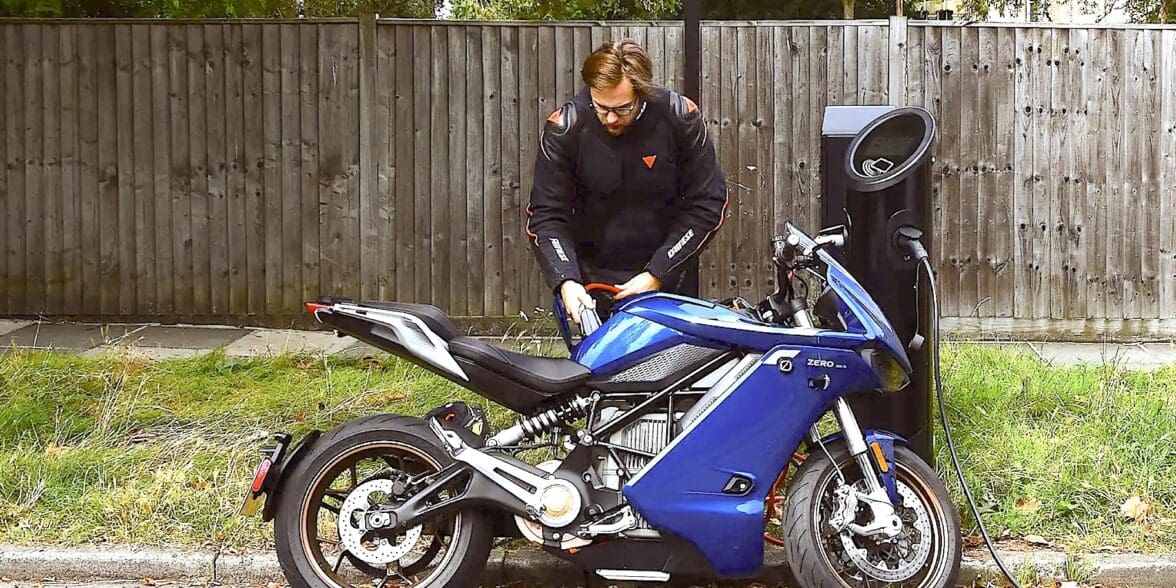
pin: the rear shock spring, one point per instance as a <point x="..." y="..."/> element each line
<point x="532" y="427"/>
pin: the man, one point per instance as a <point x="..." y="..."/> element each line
<point x="627" y="189"/>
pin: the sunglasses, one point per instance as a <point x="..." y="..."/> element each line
<point x="622" y="110"/>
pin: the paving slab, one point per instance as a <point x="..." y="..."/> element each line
<point x="151" y="353"/>
<point x="75" y="337"/>
<point x="269" y="342"/>
<point x="8" y="325"/>
<point x="181" y="337"/>
<point x="1128" y="356"/>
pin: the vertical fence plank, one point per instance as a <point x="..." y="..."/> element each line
<point x="181" y="170"/>
<point x="237" y="170"/>
<point x="421" y="208"/>
<point x="5" y="279"/>
<point x="999" y="247"/>
<point x="456" y="130"/>
<point x="291" y="154"/>
<point x="161" y="247"/>
<point x="14" y="51"/>
<point x="1074" y="181"/>
<point x="1094" y="80"/>
<point x="763" y="278"/>
<point x="88" y="171"/>
<point x="320" y="257"/>
<point x="50" y="198"/>
<point x="1167" y="175"/>
<point x="125" y="116"/>
<point x="439" y="228"/>
<point x="1130" y="170"/>
<point x="969" y="128"/>
<point x="949" y="153"/>
<point x="271" y="173"/>
<point x="988" y="71"/>
<point x="850" y="82"/>
<point x="727" y="143"/>
<point x="835" y="66"/>
<point x="198" y="197"/>
<point x="531" y="114"/>
<point x="511" y="258"/>
<point x="932" y="66"/>
<point x="782" y="129"/>
<point x="1040" y="69"/>
<point x="492" y="173"/>
<point x="404" y="133"/>
<point x="70" y="194"/>
<point x="143" y="220"/>
<point x="1056" y="179"/>
<point x="1118" y="50"/>
<point x="747" y="212"/>
<point x="34" y="163"/>
<point x="369" y="258"/>
<point x="217" y="178"/>
<point x="674" y="48"/>
<point x="254" y="163"/>
<point x="1147" y="139"/>
<point x="811" y="173"/>
<point x="108" y="175"/>
<point x="475" y="173"/>
<point x="384" y="155"/>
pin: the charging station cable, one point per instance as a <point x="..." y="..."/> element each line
<point x="909" y="238"/>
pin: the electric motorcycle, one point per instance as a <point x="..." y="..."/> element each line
<point x="649" y="454"/>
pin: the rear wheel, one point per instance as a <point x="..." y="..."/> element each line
<point x="926" y="554"/>
<point x="326" y="503"/>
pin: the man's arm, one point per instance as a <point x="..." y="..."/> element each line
<point x="550" y="211"/>
<point x="704" y="192"/>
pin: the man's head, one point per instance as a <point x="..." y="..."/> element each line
<point x="619" y="76"/>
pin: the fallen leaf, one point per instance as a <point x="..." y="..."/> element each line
<point x="54" y="450"/>
<point x="1136" y="508"/>
<point x="148" y="582"/>
<point x="1036" y="540"/>
<point x="973" y="541"/>
<point x="1028" y="505"/>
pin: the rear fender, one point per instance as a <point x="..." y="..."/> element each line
<point x="280" y="471"/>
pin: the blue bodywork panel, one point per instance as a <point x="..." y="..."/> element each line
<point x="751" y="432"/>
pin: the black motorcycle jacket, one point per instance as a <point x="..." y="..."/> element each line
<point x="606" y="208"/>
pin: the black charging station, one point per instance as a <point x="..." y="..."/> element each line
<point x="876" y="179"/>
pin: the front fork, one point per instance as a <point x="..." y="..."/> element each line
<point x="881" y="494"/>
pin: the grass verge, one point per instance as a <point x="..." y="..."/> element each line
<point x="124" y="450"/>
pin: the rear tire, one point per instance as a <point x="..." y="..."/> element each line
<point x="459" y="545"/>
<point x="814" y="552"/>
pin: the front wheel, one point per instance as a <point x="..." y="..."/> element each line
<point x="321" y="525"/>
<point x="926" y="554"/>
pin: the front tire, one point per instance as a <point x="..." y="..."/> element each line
<point x="312" y="547"/>
<point x="927" y="554"/>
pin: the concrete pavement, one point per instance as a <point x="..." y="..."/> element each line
<point x="514" y="567"/>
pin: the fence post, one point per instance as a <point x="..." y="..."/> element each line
<point x="897" y="76"/>
<point x="368" y="215"/>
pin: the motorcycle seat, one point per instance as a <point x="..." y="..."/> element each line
<point x="547" y="375"/>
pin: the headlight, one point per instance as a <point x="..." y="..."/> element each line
<point x="890" y="372"/>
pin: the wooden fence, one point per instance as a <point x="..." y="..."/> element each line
<point x="229" y="170"/>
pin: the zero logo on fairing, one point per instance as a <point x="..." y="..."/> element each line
<point x="823" y="363"/>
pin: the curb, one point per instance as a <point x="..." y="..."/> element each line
<point x="506" y="566"/>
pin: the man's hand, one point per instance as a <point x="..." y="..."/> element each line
<point x="575" y="298"/>
<point x="642" y="282"/>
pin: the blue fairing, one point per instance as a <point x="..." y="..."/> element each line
<point x="751" y="433"/>
<point x="753" y="428"/>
